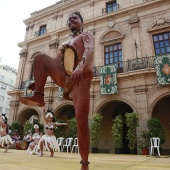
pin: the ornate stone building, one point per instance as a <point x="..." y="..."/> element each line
<point x="128" y="33"/>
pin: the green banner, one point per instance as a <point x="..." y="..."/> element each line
<point x="28" y="92"/>
<point x="60" y="92"/>
<point x="108" y="79"/>
<point x="162" y="65"/>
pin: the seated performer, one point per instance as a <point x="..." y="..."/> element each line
<point x="49" y="140"/>
<point x="5" y="139"/>
<point x="71" y="69"/>
<point x="27" y="137"/>
<point x="35" y="139"/>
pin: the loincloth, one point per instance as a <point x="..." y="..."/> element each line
<point x="68" y="85"/>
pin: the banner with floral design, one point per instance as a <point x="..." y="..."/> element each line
<point x="60" y="92"/>
<point x="28" y="92"/>
<point x="108" y="79"/>
<point x="162" y="65"/>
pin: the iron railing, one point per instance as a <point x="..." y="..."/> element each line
<point x="110" y="8"/>
<point x="130" y="65"/>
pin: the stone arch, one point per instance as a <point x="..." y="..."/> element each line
<point x="67" y="107"/>
<point x="156" y="98"/>
<point x="112" y="35"/>
<point x="122" y="98"/>
<point x="31" y="56"/>
<point x="26" y="113"/>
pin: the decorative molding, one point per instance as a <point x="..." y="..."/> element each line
<point x="111" y="23"/>
<point x="144" y="90"/>
<point x="53" y="44"/>
<point x="23" y="53"/>
<point x="111" y="35"/>
<point x="159" y="24"/>
<point x="31" y="26"/>
<point x="134" y="22"/>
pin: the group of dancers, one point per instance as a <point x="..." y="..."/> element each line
<point x="38" y="140"/>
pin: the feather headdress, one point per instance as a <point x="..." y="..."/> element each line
<point x="36" y="126"/>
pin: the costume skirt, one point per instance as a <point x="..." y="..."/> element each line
<point x="5" y="140"/>
<point x="50" y="141"/>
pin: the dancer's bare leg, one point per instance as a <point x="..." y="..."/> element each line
<point x="44" y="66"/>
<point x="6" y="147"/>
<point x="81" y="99"/>
<point x="41" y="148"/>
<point x="52" y="152"/>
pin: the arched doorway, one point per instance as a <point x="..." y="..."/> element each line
<point x="25" y="115"/>
<point x="65" y="112"/>
<point x="161" y="111"/>
<point x="109" y="111"/>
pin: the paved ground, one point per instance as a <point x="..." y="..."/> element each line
<point x="19" y="160"/>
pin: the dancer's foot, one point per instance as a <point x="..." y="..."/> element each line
<point x="36" y="100"/>
<point x="84" y="167"/>
<point x="41" y="154"/>
<point x="52" y="154"/>
<point x="6" y="149"/>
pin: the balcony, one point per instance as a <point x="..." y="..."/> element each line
<point x="131" y="65"/>
<point x="110" y="8"/>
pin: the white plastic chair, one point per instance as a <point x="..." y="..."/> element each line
<point x="75" y="145"/>
<point x="60" y="141"/>
<point x="155" y="142"/>
<point x="68" y="144"/>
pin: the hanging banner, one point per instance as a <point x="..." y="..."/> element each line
<point x="108" y="79"/>
<point x="27" y="92"/>
<point x="60" y="92"/>
<point x="162" y="65"/>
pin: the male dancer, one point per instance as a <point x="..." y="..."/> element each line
<point x="76" y="87"/>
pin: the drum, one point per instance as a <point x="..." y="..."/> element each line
<point x="17" y="144"/>
<point x="23" y="145"/>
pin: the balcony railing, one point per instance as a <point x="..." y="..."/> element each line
<point x="131" y="65"/>
<point x="110" y="8"/>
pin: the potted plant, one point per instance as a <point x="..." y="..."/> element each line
<point x="95" y="130"/>
<point x="156" y="130"/>
<point x="144" y="142"/>
<point x="132" y="123"/>
<point x="117" y="133"/>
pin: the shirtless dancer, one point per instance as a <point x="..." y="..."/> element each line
<point x="5" y="139"/>
<point x="49" y="140"/>
<point x="76" y="87"/>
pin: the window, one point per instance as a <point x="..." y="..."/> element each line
<point x="1" y="98"/>
<point x="113" y="54"/>
<point x="3" y="87"/>
<point x="111" y="7"/>
<point x="8" y="100"/>
<point x="162" y="43"/>
<point x="6" y="110"/>
<point x="2" y="77"/>
<point x="42" y="30"/>
<point x="11" y="81"/>
<point x="0" y="109"/>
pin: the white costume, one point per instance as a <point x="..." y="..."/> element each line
<point x="51" y="139"/>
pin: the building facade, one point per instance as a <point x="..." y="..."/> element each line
<point x="127" y="33"/>
<point x="7" y="83"/>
